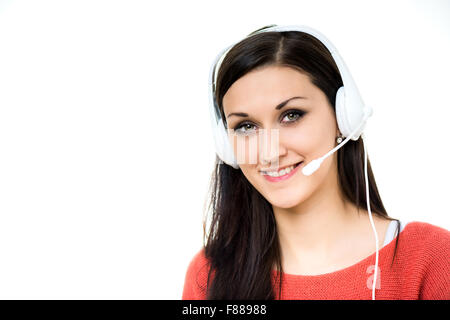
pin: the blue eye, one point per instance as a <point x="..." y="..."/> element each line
<point x="293" y="116"/>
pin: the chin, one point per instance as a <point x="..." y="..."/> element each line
<point x="284" y="204"/>
<point x="284" y="200"/>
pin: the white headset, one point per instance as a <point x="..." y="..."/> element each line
<point x="351" y="115"/>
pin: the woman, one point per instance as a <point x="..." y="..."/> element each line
<point x="298" y="236"/>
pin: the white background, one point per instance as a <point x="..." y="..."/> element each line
<point x="105" y="145"/>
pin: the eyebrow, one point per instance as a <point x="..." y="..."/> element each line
<point x="278" y="107"/>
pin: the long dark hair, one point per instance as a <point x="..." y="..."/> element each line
<point x="240" y="234"/>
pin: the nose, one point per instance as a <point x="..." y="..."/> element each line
<point x="270" y="147"/>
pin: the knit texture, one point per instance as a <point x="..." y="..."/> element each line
<point x="421" y="271"/>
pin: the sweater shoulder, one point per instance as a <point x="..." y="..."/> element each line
<point x="429" y="249"/>
<point x="196" y="277"/>
<point x="427" y="240"/>
<point x="427" y="234"/>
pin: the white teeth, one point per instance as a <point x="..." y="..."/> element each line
<point x="279" y="173"/>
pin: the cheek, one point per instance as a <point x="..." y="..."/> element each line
<point x="311" y="139"/>
<point x="302" y="140"/>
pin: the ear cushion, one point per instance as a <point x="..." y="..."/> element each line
<point x="341" y="117"/>
<point x="223" y="146"/>
<point x="348" y="116"/>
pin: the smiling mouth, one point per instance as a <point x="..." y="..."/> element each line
<point x="282" y="172"/>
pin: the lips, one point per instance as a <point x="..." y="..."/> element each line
<point x="285" y="176"/>
<point x="279" y="169"/>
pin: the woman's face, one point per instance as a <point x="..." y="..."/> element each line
<point x="306" y="127"/>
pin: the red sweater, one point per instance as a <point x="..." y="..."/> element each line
<point x="421" y="270"/>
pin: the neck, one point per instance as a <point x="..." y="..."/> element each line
<point x="316" y="227"/>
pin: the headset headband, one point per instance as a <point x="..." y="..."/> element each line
<point x="352" y="95"/>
